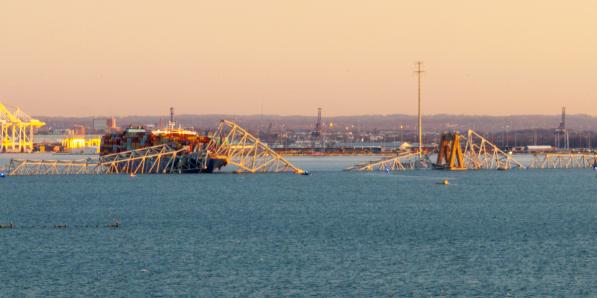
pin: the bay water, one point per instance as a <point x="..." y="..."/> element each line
<point x="333" y="233"/>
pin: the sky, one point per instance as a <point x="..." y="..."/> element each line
<point x="509" y="57"/>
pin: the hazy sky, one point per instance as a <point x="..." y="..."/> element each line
<point x="289" y="57"/>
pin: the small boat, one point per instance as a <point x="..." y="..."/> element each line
<point x="114" y="225"/>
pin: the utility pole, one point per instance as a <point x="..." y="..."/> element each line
<point x="317" y="134"/>
<point x="562" y="131"/>
<point x="261" y="116"/>
<point x="506" y="142"/>
<point x="420" y="128"/>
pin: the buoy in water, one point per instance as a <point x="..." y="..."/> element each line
<point x="444" y="182"/>
<point x="2" y="175"/>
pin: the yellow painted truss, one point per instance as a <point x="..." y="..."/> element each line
<point x="246" y="152"/>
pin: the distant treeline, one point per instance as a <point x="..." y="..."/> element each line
<point x="435" y="123"/>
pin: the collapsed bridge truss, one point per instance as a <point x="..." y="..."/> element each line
<point x="403" y="161"/>
<point x="246" y="152"/>
<point x="479" y="153"/>
<point x="159" y="159"/>
<point x="230" y="142"/>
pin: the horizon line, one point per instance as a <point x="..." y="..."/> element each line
<point x="315" y="116"/>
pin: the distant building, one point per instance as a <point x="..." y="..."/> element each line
<point x="100" y="125"/>
<point x="79" y="130"/>
<point x="103" y="125"/>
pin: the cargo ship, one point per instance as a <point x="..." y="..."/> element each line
<point x="192" y="158"/>
<point x="134" y="138"/>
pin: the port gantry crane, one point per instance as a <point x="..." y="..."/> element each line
<point x="16" y="130"/>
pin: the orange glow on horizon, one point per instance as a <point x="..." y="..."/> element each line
<point x="83" y="58"/>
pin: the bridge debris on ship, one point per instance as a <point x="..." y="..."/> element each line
<point x="229" y="145"/>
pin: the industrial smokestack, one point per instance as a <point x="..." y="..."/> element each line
<point x="171" y="122"/>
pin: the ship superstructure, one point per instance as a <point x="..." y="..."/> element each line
<point x="192" y="146"/>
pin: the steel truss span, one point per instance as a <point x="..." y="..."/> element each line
<point x="230" y="142"/>
<point x="29" y="167"/>
<point x="479" y="153"/>
<point x="563" y="160"/>
<point x="404" y="161"/>
<point x="246" y="152"/>
<point x="159" y="159"/>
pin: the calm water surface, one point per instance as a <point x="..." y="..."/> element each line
<point x="489" y="233"/>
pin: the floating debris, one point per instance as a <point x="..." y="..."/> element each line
<point x="7" y="226"/>
<point x="114" y="225"/>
